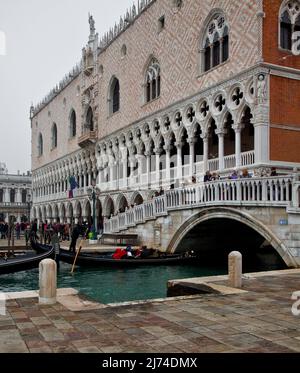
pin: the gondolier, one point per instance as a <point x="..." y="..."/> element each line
<point x="74" y="237"/>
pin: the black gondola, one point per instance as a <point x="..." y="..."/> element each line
<point x="25" y="261"/>
<point x="105" y="259"/>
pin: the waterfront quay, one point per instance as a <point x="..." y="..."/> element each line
<point x="257" y="318"/>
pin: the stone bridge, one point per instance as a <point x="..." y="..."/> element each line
<point x="267" y="206"/>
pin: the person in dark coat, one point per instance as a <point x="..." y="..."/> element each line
<point x="74" y="237"/>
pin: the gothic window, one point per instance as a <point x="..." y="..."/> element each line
<point x="73" y="124"/>
<point x="90" y="119"/>
<point x="54" y="136"/>
<point x="40" y="145"/>
<point x="215" y="44"/>
<point x="24" y="196"/>
<point x="289" y="23"/>
<point x="161" y="23"/>
<point x="12" y="196"/>
<point x="123" y="51"/>
<point x="153" y="81"/>
<point x="114" y="98"/>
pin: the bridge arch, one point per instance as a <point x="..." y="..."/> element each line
<point x="237" y="216"/>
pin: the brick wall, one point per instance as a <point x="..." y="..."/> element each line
<point x="285" y="112"/>
<point x="271" y="50"/>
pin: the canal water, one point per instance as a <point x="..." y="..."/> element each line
<point x="111" y="285"/>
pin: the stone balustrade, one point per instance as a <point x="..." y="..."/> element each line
<point x="269" y="191"/>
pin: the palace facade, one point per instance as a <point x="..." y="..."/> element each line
<point x="175" y="89"/>
<point x="15" y="196"/>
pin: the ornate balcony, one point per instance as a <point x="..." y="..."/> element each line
<point x="88" y="138"/>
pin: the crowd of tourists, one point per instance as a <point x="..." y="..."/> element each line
<point x="235" y="175"/>
<point x="19" y="230"/>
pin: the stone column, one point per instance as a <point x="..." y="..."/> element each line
<point x="125" y="166"/>
<point x="238" y="146"/>
<point x="117" y="174"/>
<point x="168" y="165"/>
<point x="205" y="154"/>
<point x="148" y="165"/>
<point x="235" y="269"/>
<point x="179" y="162"/>
<point x="84" y="179"/>
<point x="19" y="195"/>
<point x="261" y="125"/>
<point x="47" y="282"/>
<point x="221" y="150"/>
<point x="7" y="195"/>
<point x="132" y="166"/>
<point x="157" y="163"/>
<point x="192" y="155"/>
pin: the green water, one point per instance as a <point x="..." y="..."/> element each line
<point x="111" y="285"/>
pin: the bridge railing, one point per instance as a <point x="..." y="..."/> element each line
<point x="270" y="191"/>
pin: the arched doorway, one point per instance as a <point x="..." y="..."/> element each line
<point x="88" y="215"/>
<point x="55" y="213"/>
<point x="213" y="141"/>
<point x="247" y="136"/>
<point x="78" y="212"/>
<point x="109" y="207"/>
<point x="99" y="216"/>
<point x="63" y="213"/>
<point x="70" y="214"/>
<point x="122" y="204"/>
<point x="138" y="200"/>
<point x="229" y="137"/>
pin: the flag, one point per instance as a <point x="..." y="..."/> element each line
<point x="73" y="185"/>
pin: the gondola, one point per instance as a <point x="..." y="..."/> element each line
<point x="25" y="261"/>
<point x="105" y="259"/>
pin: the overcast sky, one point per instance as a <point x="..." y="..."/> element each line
<point x="44" y="40"/>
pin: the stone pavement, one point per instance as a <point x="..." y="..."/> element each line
<point x="259" y="320"/>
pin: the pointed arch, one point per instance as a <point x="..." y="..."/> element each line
<point x="121" y="203"/>
<point x="152" y="80"/>
<point x="54" y="136"/>
<point x="108" y="207"/>
<point x="136" y="199"/>
<point x="114" y="96"/>
<point x="40" y="145"/>
<point x="90" y="119"/>
<point x="73" y="124"/>
<point x="289" y="22"/>
<point x="214" y="40"/>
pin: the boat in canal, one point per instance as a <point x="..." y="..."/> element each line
<point x="105" y="259"/>
<point x="23" y="262"/>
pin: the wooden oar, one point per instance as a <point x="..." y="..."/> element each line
<point x="77" y="254"/>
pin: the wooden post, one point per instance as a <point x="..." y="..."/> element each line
<point x="77" y="254"/>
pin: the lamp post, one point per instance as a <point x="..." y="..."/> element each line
<point x="29" y="203"/>
<point x="93" y="192"/>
